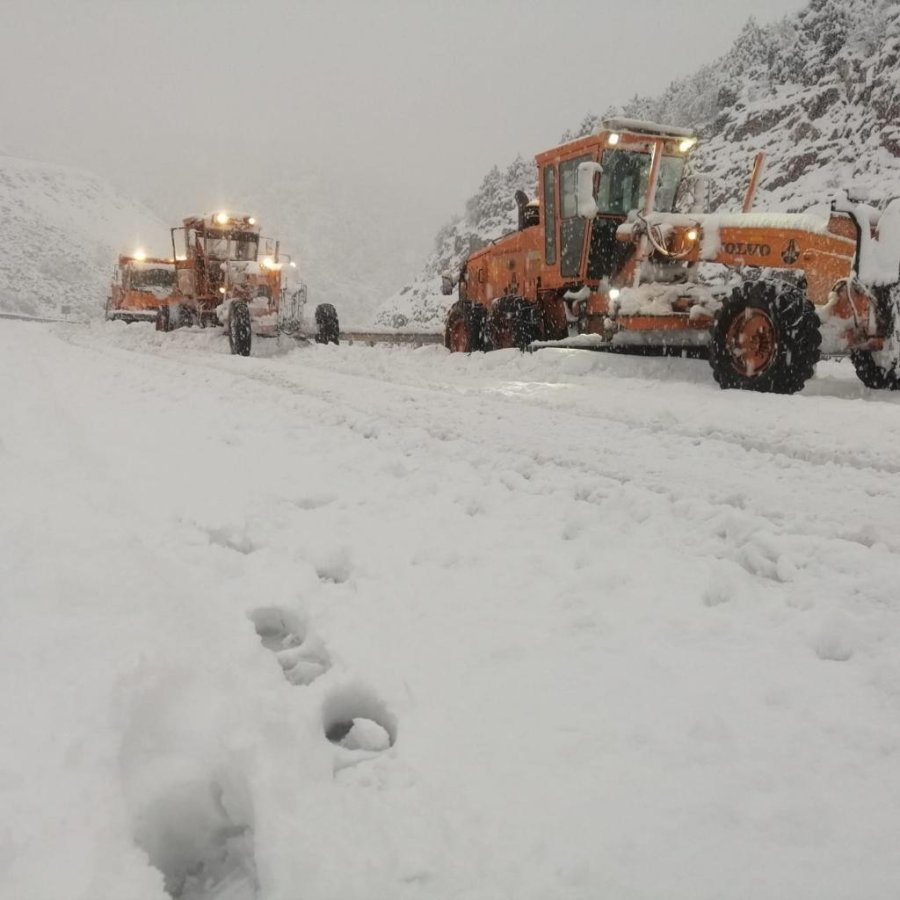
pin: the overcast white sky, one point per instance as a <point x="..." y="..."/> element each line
<point x="421" y="96"/>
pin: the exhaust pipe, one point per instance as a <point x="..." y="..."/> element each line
<point x="521" y="203"/>
<point x="758" y="163"/>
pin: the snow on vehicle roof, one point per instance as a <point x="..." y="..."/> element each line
<point x="149" y="262"/>
<point x="224" y="220"/>
<point x="642" y="127"/>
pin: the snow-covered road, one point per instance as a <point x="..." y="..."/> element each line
<point x="630" y="636"/>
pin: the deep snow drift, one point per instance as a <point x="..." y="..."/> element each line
<point x="341" y="622"/>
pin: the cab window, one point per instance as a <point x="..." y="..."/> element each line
<point x="549" y="215"/>
<point x="626" y="174"/>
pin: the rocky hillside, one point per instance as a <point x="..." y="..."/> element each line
<point x="489" y="213"/>
<point x="819" y="92"/>
<point x="60" y="231"/>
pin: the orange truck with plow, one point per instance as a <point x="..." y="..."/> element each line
<point x="141" y="285"/>
<point x="610" y="264"/>
<point x="226" y="273"/>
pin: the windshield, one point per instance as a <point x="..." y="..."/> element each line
<point x="149" y="278"/>
<point x="623" y="184"/>
<point x="671" y="168"/>
<point x="231" y="245"/>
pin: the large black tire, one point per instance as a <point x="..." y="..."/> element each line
<point x="465" y="327"/>
<point x="328" y="329"/>
<point x="240" y="334"/>
<point x="164" y="318"/>
<point x="880" y="369"/>
<point x="513" y="323"/>
<point x="765" y="338"/>
<point x="183" y="315"/>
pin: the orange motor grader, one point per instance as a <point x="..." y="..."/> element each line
<point x="610" y="264"/>
<point x="227" y="274"/>
<point x="141" y="285"/>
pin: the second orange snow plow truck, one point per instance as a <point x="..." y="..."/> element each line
<point x="610" y="264"/>
<point x="141" y="285"/>
<point x="227" y="274"/>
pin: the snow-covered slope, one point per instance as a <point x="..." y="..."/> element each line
<point x="630" y="636"/>
<point x="819" y="92"/>
<point x="60" y="232"/>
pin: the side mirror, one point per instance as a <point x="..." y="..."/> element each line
<point x="585" y="205"/>
<point x="447" y="284"/>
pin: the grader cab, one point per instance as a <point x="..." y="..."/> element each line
<point x="611" y="264"/>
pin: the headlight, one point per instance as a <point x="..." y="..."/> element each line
<point x="692" y="235"/>
<point x="686" y="144"/>
<point x="614" y="293"/>
<point x="222" y="218"/>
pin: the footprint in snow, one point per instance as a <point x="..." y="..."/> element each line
<point x="193" y="822"/>
<point x="202" y="852"/>
<point x="355" y="720"/>
<point x="302" y="656"/>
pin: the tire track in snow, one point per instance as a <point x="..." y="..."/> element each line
<point x="779" y="520"/>
<point x="664" y="471"/>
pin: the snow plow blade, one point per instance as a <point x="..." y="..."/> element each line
<point x="132" y="315"/>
